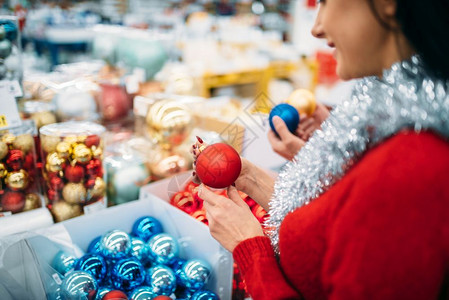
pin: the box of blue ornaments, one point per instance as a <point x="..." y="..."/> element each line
<point x="141" y="250"/>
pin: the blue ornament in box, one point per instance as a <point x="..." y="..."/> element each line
<point x="287" y="113"/>
<point x="10" y="29"/>
<point x="142" y="293"/>
<point x="162" y="280"/>
<point x="146" y="227"/>
<point x="176" y="266"/>
<point x="204" y="295"/>
<point x="194" y="274"/>
<point x="127" y="274"/>
<point x="94" y="245"/>
<point x="63" y="262"/>
<point x="101" y="292"/>
<point x="139" y="249"/>
<point x="94" y="264"/>
<point x="163" y="248"/>
<point x="115" y="244"/>
<point x="78" y="285"/>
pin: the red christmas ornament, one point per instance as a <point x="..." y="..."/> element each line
<point x="162" y="297"/>
<point x="218" y="166"/>
<point x="93" y="168"/>
<point x="15" y="159"/>
<point x="200" y="215"/>
<point x="115" y="295"/>
<point x="90" y="183"/>
<point x="13" y="202"/>
<point x="56" y="183"/>
<point x="52" y="195"/>
<point x="74" y="173"/>
<point x="92" y="140"/>
<point x="185" y="201"/>
<point x="29" y="162"/>
<point x="259" y="213"/>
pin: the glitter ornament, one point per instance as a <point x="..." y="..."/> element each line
<point x="79" y="285"/>
<point x="163" y="248"/>
<point x="115" y="295"/>
<point x="303" y="100"/>
<point x="287" y="113"/>
<point x="143" y="293"/>
<point x="128" y="274"/>
<point x="204" y="295"/>
<point x="15" y="159"/>
<point x="56" y="183"/>
<point x="218" y="165"/>
<point x="94" y="245"/>
<point x="63" y="149"/>
<point x="146" y="227"/>
<point x="115" y="244"/>
<point x="17" y="180"/>
<point x="74" y="173"/>
<point x="94" y="264"/>
<point x="23" y="142"/>
<point x="93" y="168"/>
<point x="54" y="162"/>
<point x="97" y="153"/>
<point x="62" y="211"/>
<point x="13" y="202"/>
<point x="3" y="149"/>
<point x="63" y="262"/>
<point x="32" y="201"/>
<point x="82" y="154"/>
<point x="74" y="193"/>
<point x="53" y="195"/>
<point x="195" y="274"/>
<point x="162" y="280"/>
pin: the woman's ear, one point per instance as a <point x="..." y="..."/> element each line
<point x="387" y="11"/>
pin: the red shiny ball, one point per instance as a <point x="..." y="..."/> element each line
<point x="53" y="195"/>
<point x="15" y="159"/>
<point x="93" y="168"/>
<point x="56" y="183"/>
<point x="74" y="173"/>
<point x="162" y="297"/>
<point x="218" y="166"/>
<point x="13" y="202"/>
<point x="115" y="295"/>
<point x="92" y="140"/>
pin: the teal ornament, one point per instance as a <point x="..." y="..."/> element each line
<point x="127" y="274"/>
<point x="5" y="49"/>
<point x="162" y="280"/>
<point x="123" y="182"/>
<point x="204" y="295"/>
<point x="101" y="292"/>
<point x="63" y="262"/>
<point x="78" y="285"/>
<point x="142" y="293"/>
<point x="146" y="227"/>
<point x="163" y="248"/>
<point x="115" y="244"/>
<point x="94" y="264"/>
<point x="2" y="33"/>
<point x="139" y="249"/>
<point x="194" y="274"/>
<point x="10" y="28"/>
<point x="94" y="245"/>
<point x="287" y="113"/>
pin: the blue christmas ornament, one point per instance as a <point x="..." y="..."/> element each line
<point x="162" y="280"/>
<point x="195" y="274"/>
<point x="177" y="265"/>
<point x="127" y="274"/>
<point x="204" y="295"/>
<point x="163" y="248"/>
<point x="139" y="249"/>
<point x="142" y="293"/>
<point x="146" y="227"/>
<point x="94" y="246"/>
<point x="78" y="285"/>
<point x="94" y="264"/>
<point x="101" y="292"/>
<point x="287" y="113"/>
<point x="10" y="28"/>
<point x="63" y="262"/>
<point x="115" y="244"/>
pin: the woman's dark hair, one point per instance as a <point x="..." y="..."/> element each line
<point x="425" y="24"/>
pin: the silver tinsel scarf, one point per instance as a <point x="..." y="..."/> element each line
<point x="405" y="97"/>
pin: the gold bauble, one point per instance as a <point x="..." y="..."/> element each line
<point x="71" y="139"/>
<point x="166" y="163"/>
<point x="62" y="211"/>
<point x="64" y="150"/>
<point x="98" y="189"/>
<point x="82" y="154"/>
<point x="8" y="138"/>
<point x="54" y="162"/>
<point x="168" y="123"/>
<point x="49" y="143"/>
<point x="32" y="201"/>
<point x="24" y="142"/>
<point x="81" y="138"/>
<point x="43" y="118"/>
<point x="74" y="193"/>
<point x="97" y="152"/>
<point x="3" y="150"/>
<point x="303" y="100"/>
<point x="17" y="180"/>
<point x="3" y="171"/>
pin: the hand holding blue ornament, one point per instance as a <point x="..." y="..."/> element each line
<point x="288" y="114"/>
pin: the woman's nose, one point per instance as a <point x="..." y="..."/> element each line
<point x="317" y="29"/>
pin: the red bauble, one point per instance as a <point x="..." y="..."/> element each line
<point x="15" y="160"/>
<point x="90" y="183"/>
<point x="259" y="213"/>
<point x="56" y="183"/>
<point x="52" y="195"/>
<point x="185" y="201"/>
<point x="218" y="166"/>
<point x="29" y="162"/>
<point x="13" y="202"/>
<point x="162" y="297"/>
<point x="116" y="295"/>
<point x="74" y="173"/>
<point x="92" y="140"/>
<point x="93" y="168"/>
<point x="200" y="215"/>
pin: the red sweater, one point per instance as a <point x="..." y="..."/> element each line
<point x="382" y="232"/>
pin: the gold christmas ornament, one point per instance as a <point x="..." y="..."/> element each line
<point x="62" y="211"/>
<point x="98" y="189"/>
<point x="82" y="154"/>
<point x="32" y="201"/>
<point x="3" y="171"/>
<point x="54" y="162"/>
<point x="17" y="180"/>
<point x="71" y="140"/>
<point x="24" y="142"/>
<point x="63" y="149"/>
<point x="303" y="100"/>
<point x="43" y="118"/>
<point x="166" y="163"/>
<point x="49" y="143"/>
<point x="168" y="123"/>
<point x="97" y="152"/>
<point x="3" y="150"/>
<point x="81" y="138"/>
<point x="74" y="193"/>
<point x="8" y="138"/>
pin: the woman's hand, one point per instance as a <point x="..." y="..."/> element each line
<point x="287" y="144"/>
<point x="308" y="125"/>
<point x="230" y="219"/>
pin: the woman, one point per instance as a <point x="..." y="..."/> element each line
<point x="362" y="212"/>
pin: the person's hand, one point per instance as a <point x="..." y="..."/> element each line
<point x="309" y="124"/>
<point x="230" y="219"/>
<point x="286" y="144"/>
